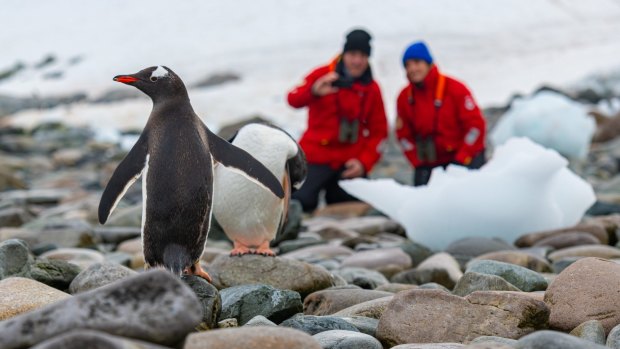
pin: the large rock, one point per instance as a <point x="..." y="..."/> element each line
<point x="613" y="339"/>
<point x="259" y="337"/>
<point x="330" y="301"/>
<point x="19" y="295"/>
<point x="523" y="278"/>
<point x="209" y="298"/>
<point x="520" y="258"/>
<point x="372" y="309"/>
<point x="382" y="259"/>
<point x="584" y="291"/>
<point x="339" y="339"/>
<point x="99" y="274"/>
<point x="246" y="301"/>
<point x="79" y="339"/>
<point x="315" y="324"/>
<point x="15" y="259"/>
<point x="471" y="282"/>
<point x="154" y="306"/>
<point x="554" y="340"/>
<point x="277" y="272"/>
<point x="443" y="261"/>
<point x="439" y="317"/>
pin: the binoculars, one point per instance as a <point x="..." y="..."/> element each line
<point x="348" y="132"/>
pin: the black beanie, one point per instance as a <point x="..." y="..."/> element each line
<point x="358" y="40"/>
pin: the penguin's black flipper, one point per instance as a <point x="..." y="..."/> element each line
<point x="297" y="167"/>
<point x="236" y="158"/>
<point x="127" y="172"/>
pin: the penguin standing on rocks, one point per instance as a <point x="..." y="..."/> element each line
<point x="249" y="216"/>
<point x="175" y="155"/>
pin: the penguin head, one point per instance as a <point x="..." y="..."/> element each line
<point x="159" y="83"/>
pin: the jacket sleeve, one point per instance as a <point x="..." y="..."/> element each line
<point x="474" y="127"/>
<point x="377" y="132"/>
<point x="301" y="95"/>
<point x="404" y="133"/>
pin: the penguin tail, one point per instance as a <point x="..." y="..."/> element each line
<point x="176" y="258"/>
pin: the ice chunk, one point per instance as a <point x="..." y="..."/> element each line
<point x="549" y="119"/>
<point x="523" y="188"/>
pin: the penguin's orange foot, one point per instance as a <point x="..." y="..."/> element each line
<point x="240" y="249"/>
<point x="264" y="250"/>
<point x="197" y="270"/>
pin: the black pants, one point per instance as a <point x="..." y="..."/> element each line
<point x="321" y="177"/>
<point x="422" y="174"/>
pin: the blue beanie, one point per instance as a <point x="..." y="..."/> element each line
<point x="417" y="50"/>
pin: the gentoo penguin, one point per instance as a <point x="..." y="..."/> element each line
<point x="249" y="216"/>
<point x="175" y="154"/>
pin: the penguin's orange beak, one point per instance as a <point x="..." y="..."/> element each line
<point x="125" y="79"/>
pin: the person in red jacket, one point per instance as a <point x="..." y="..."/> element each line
<point x="438" y="122"/>
<point x="346" y="122"/>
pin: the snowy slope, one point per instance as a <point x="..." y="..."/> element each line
<point x="498" y="48"/>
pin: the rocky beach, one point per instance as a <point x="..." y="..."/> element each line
<point x="344" y="277"/>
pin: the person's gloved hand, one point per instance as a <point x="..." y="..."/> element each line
<point x="353" y="168"/>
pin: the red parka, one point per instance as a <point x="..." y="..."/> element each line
<point x="320" y="140"/>
<point x="457" y="126"/>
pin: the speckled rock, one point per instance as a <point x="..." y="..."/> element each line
<point x="315" y="324"/>
<point x="99" y="274"/>
<point x="582" y="292"/>
<point x="613" y="339"/>
<point x="277" y="272"/>
<point x="154" y="306"/>
<point x="441" y="317"/>
<point x="259" y="337"/>
<point x="260" y="320"/>
<point x="330" y="301"/>
<point x="19" y="295"/>
<point x="364" y="278"/>
<point x="443" y="261"/>
<point x="79" y="339"/>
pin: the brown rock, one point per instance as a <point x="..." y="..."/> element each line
<point x="519" y="258"/>
<point x="82" y="257"/>
<point x="432" y="316"/>
<point x="281" y="273"/>
<point x="443" y="261"/>
<point x="19" y="295"/>
<point x="383" y="259"/>
<point x="587" y="290"/>
<point x="593" y="229"/>
<point x="258" y="337"/>
<point x="372" y="309"/>
<point x="568" y="239"/>
<point x="599" y="251"/>
<point x="130" y="246"/>
<point x="327" y="302"/>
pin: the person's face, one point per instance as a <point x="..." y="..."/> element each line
<point x="355" y="62"/>
<point x="417" y="69"/>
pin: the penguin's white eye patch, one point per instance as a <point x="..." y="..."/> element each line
<point x="153" y="78"/>
<point x="160" y="72"/>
